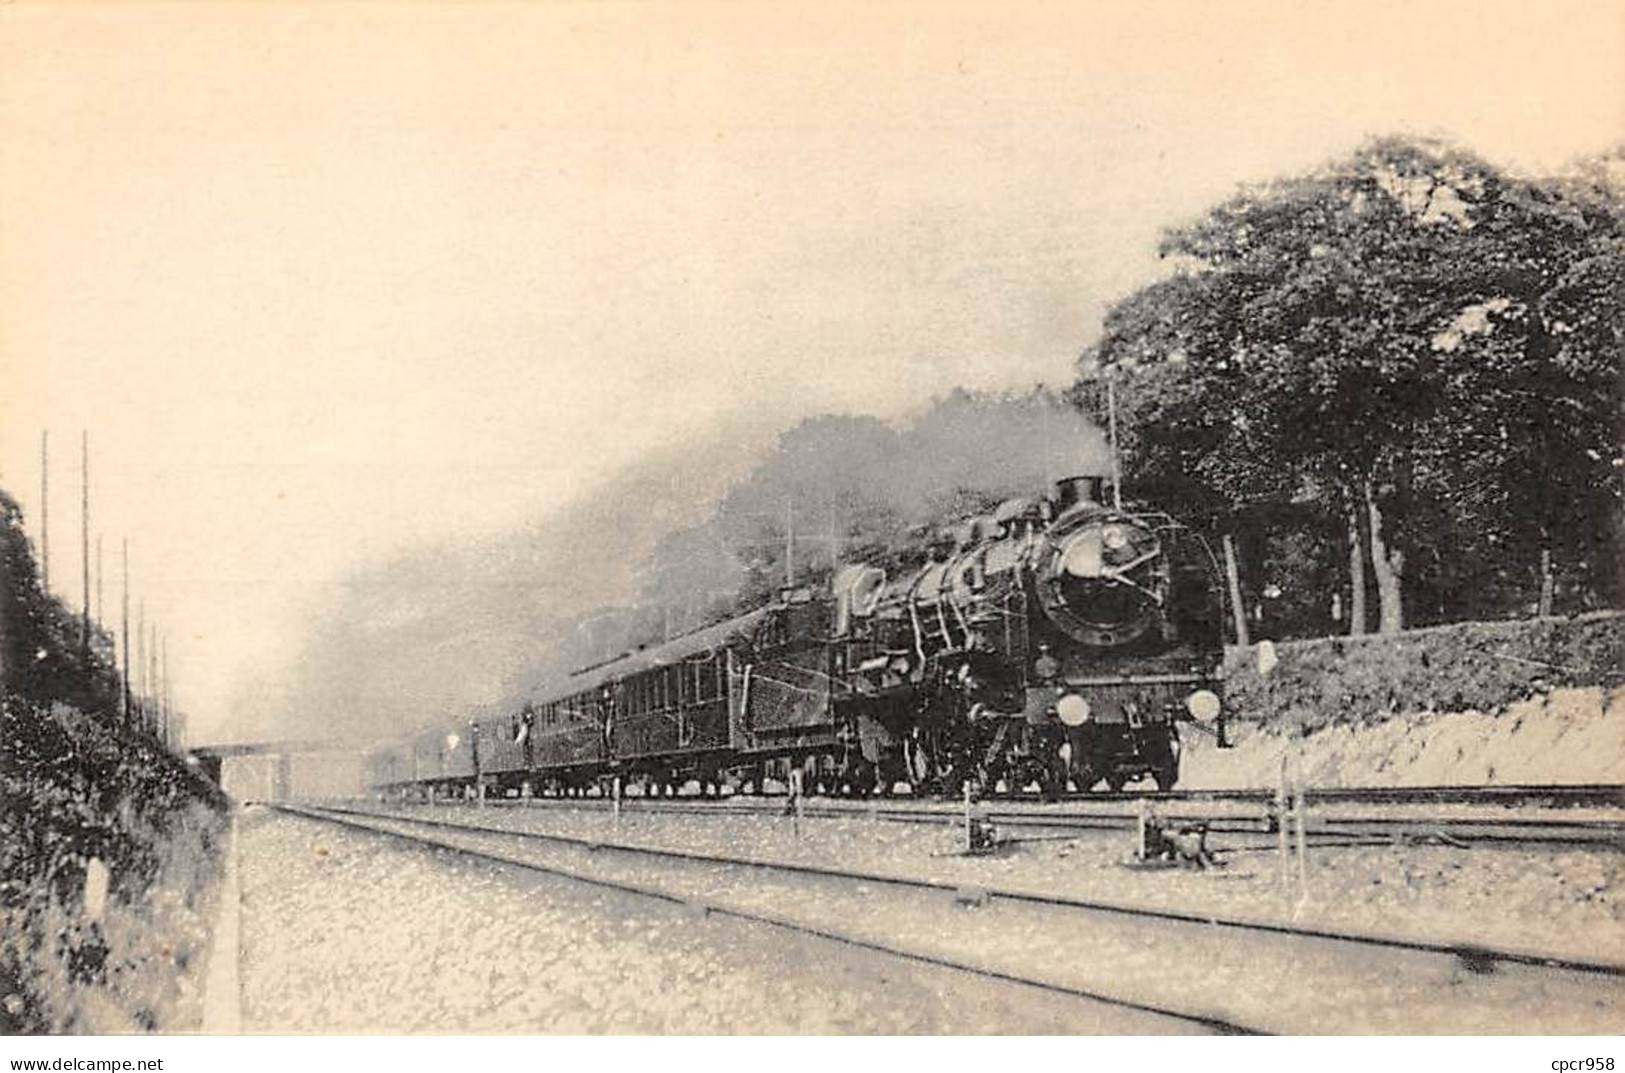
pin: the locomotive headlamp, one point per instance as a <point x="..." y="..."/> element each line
<point x="1084" y="556"/>
<point x="1114" y="536"/>
<point x="899" y="665"/>
<point x="1073" y="710"/>
<point x="1203" y="705"/>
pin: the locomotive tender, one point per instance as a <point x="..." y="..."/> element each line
<point x="1052" y="641"/>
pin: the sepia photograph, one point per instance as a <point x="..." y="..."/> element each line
<point x="671" y="524"/>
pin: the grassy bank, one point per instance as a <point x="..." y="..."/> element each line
<point x="1466" y="667"/>
<point x="108" y="863"/>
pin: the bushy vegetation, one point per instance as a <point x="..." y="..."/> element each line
<point x="1470" y="666"/>
<point x="844" y="489"/>
<point x="1409" y="360"/>
<point x="88" y="796"/>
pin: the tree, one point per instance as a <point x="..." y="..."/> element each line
<point x="1406" y="336"/>
<point x="859" y="489"/>
<point x="42" y="659"/>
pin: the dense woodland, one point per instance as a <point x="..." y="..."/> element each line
<point x="1399" y="378"/>
<point x="1394" y="382"/>
<point x="46" y="656"/>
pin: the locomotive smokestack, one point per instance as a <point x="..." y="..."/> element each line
<point x="1070" y="491"/>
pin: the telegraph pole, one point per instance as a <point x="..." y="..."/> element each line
<point x="141" y="660"/>
<point x="163" y="685"/>
<point x="124" y="683"/>
<point x="834" y="537"/>
<point x="152" y="674"/>
<point x="84" y="534"/>
<point x="789" y="543"/>
<point x="101" y="608"/>
<point x="1117" y="464"/>
<point x="157" y="683"/>
<point x="45" y="509"/>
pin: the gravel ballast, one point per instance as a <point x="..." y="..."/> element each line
<point x="348" y="932"/>
<point x="1565" y="902"/>
<point x="1270" y="983"/>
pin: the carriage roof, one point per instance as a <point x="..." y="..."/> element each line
<point x="678" y="649"/>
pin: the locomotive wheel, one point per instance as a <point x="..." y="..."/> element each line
<point x="1052" y="781"/>
<point x="1165" y="762"/>
<point x="892" y="770"/>
<point x="930" y="772"/>
<point x="918" y="765"/>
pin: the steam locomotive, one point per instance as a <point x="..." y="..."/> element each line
<point x="1055" y="640"/>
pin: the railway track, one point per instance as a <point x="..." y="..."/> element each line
<point x="1259" y="965"/>
<point x="1159" y="1016"/>
<point x="1546" y="795"/>
<point x="1244" y="819"/>
<point x="1572" y="795"/>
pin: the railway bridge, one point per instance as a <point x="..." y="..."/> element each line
<point x="268" y="771"/>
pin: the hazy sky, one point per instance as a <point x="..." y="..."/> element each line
<point x="328" y="281"/>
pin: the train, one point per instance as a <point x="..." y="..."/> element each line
<point x="1054" y="643"/>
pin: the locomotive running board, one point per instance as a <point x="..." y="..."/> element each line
<point x="1142" y="679"/>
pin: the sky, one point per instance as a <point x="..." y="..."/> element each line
<point x="327" y="283"/>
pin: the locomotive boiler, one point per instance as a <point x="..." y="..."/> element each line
<point x="1054" y="641"/>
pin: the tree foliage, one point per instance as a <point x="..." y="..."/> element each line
<point x="1411" y="339"/>
<point x="43" y="655"/>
